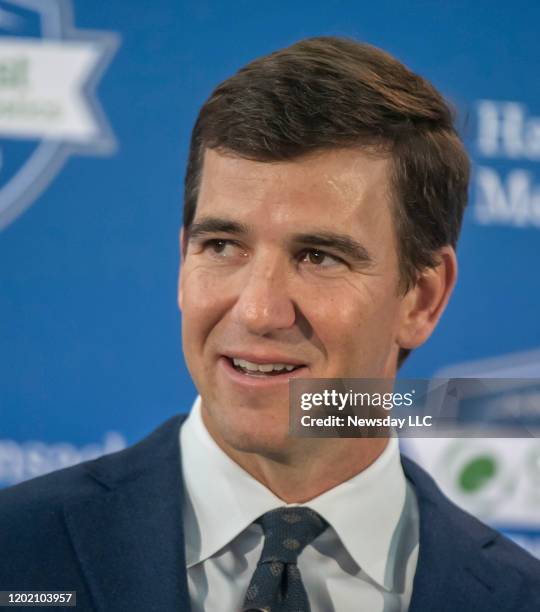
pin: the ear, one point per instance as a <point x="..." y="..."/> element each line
<point x="424" y="303"/>
<point x="183" y="245"/>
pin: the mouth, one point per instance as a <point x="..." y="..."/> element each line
<point x="258" y="372"/>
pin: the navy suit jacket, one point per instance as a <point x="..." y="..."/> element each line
<point x="111" y="530"/>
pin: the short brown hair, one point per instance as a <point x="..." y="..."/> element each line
<point x="328" y="92"/>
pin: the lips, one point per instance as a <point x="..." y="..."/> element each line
<point x="269" y="369"/>
<point x="258" y="378"/>
<point x="262" y="358"/>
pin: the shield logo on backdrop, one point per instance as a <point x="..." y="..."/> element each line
<point x="48" y="110"/>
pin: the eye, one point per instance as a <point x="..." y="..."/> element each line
<point x="318" y="258"/>
<point x="218" y="246"/>
<point x="221" y="247"/>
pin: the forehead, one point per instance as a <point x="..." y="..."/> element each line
<point x="344" y="188"/>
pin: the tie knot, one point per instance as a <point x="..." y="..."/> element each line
<point x="287" y="531"/>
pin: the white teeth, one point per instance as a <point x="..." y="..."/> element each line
<point x="262" y="367"/>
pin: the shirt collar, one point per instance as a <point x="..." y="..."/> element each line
<point x="219" y="487"/>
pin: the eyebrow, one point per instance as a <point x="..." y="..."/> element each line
<point x="342" y="243"/>
<point x="338" y="242"/>
<point x="213" y="225"/>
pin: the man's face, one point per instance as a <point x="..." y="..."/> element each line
<point x="288" y="264"/>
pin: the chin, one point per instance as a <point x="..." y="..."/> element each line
<point x="264" y="447"/>
<point x="259" y="437"/>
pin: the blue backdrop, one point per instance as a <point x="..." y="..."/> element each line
<point x="92" y="157"/>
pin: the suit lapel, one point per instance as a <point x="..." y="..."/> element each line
<point x="128" y="537"/>
<point x="129" y="542"/>
<point x="453" y="572"/>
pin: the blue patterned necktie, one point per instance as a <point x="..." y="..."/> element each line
<point x="276" y="585"/>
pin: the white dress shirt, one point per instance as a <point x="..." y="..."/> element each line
<point x="364" y="560"/>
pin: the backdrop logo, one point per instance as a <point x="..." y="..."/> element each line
<point x="48" y="73"/>
<point x="507" y="191"/>
<point x="22" y="460"/>
<point x="476" y="476"/>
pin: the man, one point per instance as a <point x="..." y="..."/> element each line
<point x="324" y="195"/>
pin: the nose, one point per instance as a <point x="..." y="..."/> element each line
<point x="264" y="302"/>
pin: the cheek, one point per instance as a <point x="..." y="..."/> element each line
<point x="349" y="318"/>
<point x="340" y="305"/>
<point x="201" y="303"/>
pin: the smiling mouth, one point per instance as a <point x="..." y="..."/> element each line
<point x="262" y="370"/>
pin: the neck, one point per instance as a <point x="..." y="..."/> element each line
<point x="301" y="481"/>
<point x="306" y="468"/>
